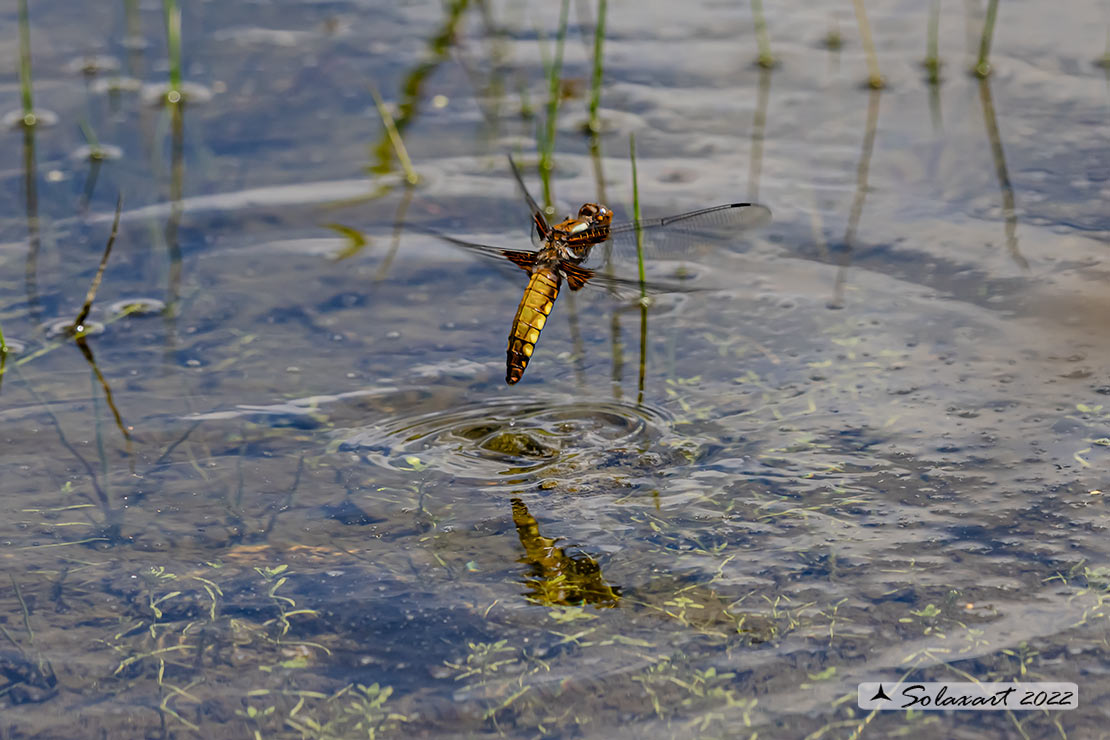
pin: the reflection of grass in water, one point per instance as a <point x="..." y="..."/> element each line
<point x="554" y="69"/>
<point x="982" y="65"/>
<point x="1009" y="209"/>
<point x="874" y="77"/>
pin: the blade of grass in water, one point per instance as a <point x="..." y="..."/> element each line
<point x="983" y="65"/>
<point x="173" y="48"/>
<point x="636" y="216"/>
<point x="874" y="78"/>
<point x="547" y="142"/>
<point x="394" y="137"/>
<point x="25" y="65"/>
<point x="932" y="56"/>
<point x="411" y="87"/>
<point x="765" y="58"/>
<point x="595" y="81"/>
<point x="640" y="263"/>
<point x="79" y="322"/>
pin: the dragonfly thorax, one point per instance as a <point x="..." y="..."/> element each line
<point x="576" y="235"/>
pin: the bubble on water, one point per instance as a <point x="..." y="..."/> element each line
<point x="137" y="307"/>
<point x="65" y="328"/>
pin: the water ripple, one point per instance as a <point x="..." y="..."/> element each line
<point x="524" y="441"/>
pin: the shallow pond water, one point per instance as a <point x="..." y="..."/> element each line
<point x="282" y="490"/>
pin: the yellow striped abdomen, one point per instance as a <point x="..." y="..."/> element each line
<point x="531" y="316"/>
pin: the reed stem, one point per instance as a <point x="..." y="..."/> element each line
<point x="636" y="216"/>
<point x="595" y="81"/>
<point x="983" y="65"/>
<point x="874" y="77"/>
<point x="25" y="65"/>
<point x="765" y="58"/>
<point x="554" y="72"/>
<point x="172" y="12"/>
<point x="394" y="137"/>
<point x="932" y="44"/>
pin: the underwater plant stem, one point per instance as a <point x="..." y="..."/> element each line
<point x="25" y="63"/>
<point x="598" y="71"/>
<point x="394" y="137"/>
<point x="554" y="72"/>
<point x="765" y="58"/>
<point x="874" y="77"/>
<point x="983" y="66"/>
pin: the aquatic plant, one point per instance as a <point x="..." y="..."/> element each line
<point x="874" y="78"/>
<point x="411" y="88"/>
<point x="547" y="135"/>
<point x="29" y="118"/>
<point x="640" y="265"/>
<point x="833" y="40"/>
<point x="594" y="122"/>
<point x="78" y="326"/>
<point x="394" y="137"/>
<point x="982" y="65"/>
<point x="636" y="216"/>
<point x="172" y="13"/>
<point x="932" y="56"/>
<point x="765" y="58"/>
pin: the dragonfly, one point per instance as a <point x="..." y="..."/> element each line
<point x="564" y="253"/>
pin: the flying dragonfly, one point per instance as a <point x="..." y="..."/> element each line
<point x="564" y="253"/>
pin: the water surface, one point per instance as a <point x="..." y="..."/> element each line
<point x="874" y="446"/>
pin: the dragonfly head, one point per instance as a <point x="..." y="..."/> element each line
<point x="596" y="215"/>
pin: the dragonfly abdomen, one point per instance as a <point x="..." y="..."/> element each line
<point x="531" y="316"/>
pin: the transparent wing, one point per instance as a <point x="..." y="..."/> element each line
<point x="513" y="261"/>
<point x="540" y="229"/>
<point x="677" y="236"/>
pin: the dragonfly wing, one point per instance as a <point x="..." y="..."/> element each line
<point x="683" y="234"/>
<point x="504" y="258"/>
<point x="539" y="222"/>
<point x="623" y="287"/>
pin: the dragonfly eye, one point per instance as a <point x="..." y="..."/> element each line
<point x="589" y="211"/>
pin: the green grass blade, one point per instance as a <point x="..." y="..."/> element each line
<point x="394" y="137"/>
<point x="636" y="215"/>
<point x="874" y="77"/>
<point x="983" y="65"/>
<point x="765" y="58"/>
<point x="25" y="64"/>
<point x="598" y="70"/>
<point x="932" y="53"/>
<point x="173" y="42"/>
<point x="554" y="73"/>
